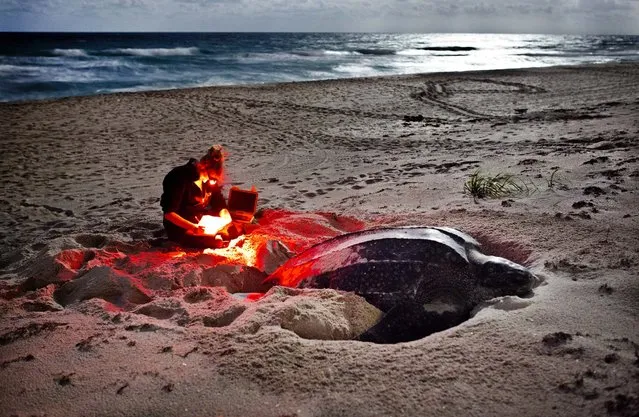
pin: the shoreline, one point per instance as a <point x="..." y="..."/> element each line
<point x="83" y="177"/>
<point x="495" y="72"/>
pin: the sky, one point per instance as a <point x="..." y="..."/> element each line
<point x="420" y="16"/>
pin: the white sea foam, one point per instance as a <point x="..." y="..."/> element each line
<point x="70" y="52"/>
<point x="10" y="69"/>
<point x="341" y="53"/>
<point x="356" y="70"/>
<point x="250" y="58"/>
<point x="320" y="75"/>
<point x="157" y="51"/>
<point x="71" y="76"/>
<point x="323" y="53"/>
<point x="414" y="52"/>
<point x="107" y="63"/>
<point x="134" y="89"/>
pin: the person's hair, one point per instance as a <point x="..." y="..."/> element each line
<point x="214" y="159"/>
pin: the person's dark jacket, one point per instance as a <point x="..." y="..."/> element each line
<point x="181" y="195"/>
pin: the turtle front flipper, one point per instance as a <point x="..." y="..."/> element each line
<point x="412" y="320"/>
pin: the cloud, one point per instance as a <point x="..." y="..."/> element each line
<point x="331" y="15"/>
<point x="17" y="6"/>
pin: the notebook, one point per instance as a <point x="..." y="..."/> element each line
<point x="242" y="204"/>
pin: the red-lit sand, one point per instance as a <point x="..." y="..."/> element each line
<point x="101" y="316"/>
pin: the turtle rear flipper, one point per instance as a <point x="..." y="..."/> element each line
<point x="409" y="321"/>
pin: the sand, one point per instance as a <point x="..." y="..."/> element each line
<point x="101" y="316"/>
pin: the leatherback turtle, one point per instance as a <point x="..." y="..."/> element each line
<point x="425" y="279"/>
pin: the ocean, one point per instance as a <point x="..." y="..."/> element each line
<point x="35" y="66"/>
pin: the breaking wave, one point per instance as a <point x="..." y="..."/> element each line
<point x="356" y="70"/>
<point x="9" y="69"/>
<point x="156" y="51"/>
<point x="70" y="52"/>
<point x="323" y="53"/>
<point x="339" y="53"/>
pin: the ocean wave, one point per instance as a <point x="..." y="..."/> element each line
<point x="70" y="76"/>
<point x="553" y="54"/>
<point x="136" y="89"/>
<point x="9" y="70"/>
<point x="422" y="52"/>
<point x="70" y="52"/>
<point x="376" y="51"/>
<point x="339" y="53"/>
<point x="320" y="75"/>
<point x="308" y="53"/>
<point x="272" y="57"/>
<point x="109" y="64"/>
<point x="150" y="62"/>
<point x="356" y="70"/>
<point x="12" y="68"/>
<point x="412" y="52"/>
<point x="185" y="51"/>
<point x="323" y="53"/>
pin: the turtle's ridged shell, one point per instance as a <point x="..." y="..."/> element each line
<point x="386" y="266"/>
<point x="384" y="284"/>
<point x="425" y="279"/>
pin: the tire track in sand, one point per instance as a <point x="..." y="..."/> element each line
<point x="433" y="92"/>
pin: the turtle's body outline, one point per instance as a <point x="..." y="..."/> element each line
<point x="424" y="279"/>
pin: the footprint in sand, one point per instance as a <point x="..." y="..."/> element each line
<point x="91" y="241"/>
<point x="374" y="180"/>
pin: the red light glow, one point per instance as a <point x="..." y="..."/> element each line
<point x="241" y="251"/>
<point x="159" y="268"/>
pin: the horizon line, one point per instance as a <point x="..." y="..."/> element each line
<point x="310" y="32"/>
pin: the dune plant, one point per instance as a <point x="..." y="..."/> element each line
<point x="555" y="181"/>
<point x="492" y="186"/>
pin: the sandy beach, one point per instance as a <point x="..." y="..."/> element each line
<point x="101" y="316"/>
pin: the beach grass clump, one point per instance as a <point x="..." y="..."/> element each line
<point x="501" y="185"/>
<point x="555" y="181"/>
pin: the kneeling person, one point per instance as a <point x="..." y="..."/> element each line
<point x="191" y="191"/>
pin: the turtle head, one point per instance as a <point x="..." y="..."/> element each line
<point x="506" y="277"/>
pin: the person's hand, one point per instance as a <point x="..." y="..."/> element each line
<point x="225" y="214"/>
<point x="196" y="230"/>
